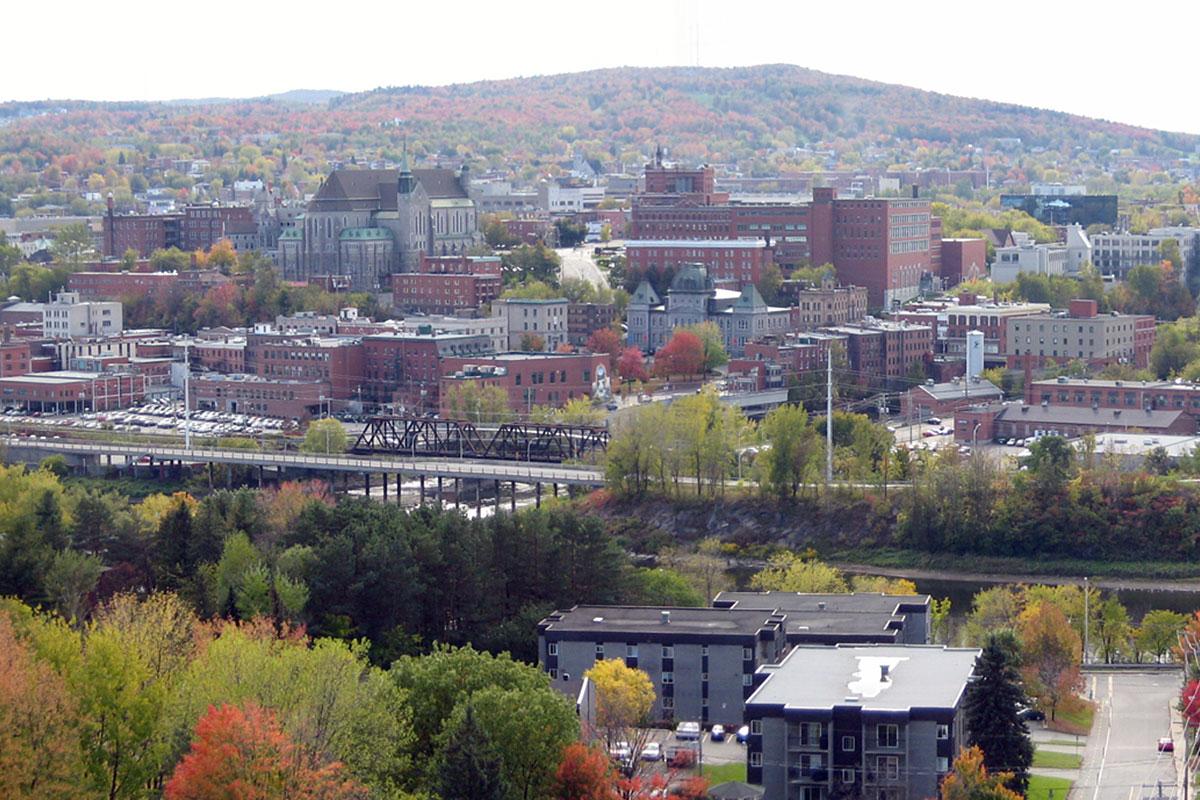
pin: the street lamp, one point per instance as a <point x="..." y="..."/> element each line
<point x="974" y="437"/>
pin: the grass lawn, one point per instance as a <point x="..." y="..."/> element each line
<point x="1055" y="760"/>
<point x="1040" y="788"/>
<point x="1074" y="715"/>
<point x="720" y="773"/>
<point x="1064" y="742"/>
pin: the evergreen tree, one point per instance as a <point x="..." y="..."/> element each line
<point x="470" y="768"/>
<point x="993" y="724"/>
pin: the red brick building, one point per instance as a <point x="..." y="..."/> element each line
<point x="118" y="285"/>
<point x="72" y="391"/>
<point x="771" y="363"/>
<point x="227" y="356"/>
<point x="335" y="361"/>
<point x="885" y="350"/>
<point x="1111" y="395"/>
<point x="250" y="394"/>
<point x="15" y="357"/>
<point x="584" y="319"/>
<point x="531" y="379"/>
<point x="446" y="284"/>
<point x="733" y="263"/>
<point x="404" y="369"/>
<point x="884" y="244"/>
<point x="1020" y="421"/>
<point x="962" y="260"/>
<point x="194" y="228"/>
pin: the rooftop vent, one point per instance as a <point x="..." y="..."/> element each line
<point x="665" y="617"/>
<point x="597" y="619"/>
<point x="820" y="605"/>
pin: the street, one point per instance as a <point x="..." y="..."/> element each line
<point x="577" y="263"/>
<point x="1121" y="761"/>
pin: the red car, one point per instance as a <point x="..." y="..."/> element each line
<point x="1166" y="745"/>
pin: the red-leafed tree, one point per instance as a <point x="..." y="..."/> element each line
<point x="631" y="366"/>
<point x="683" y="355"/>
<point x="1189" y="703"/>
<point x="244" y="754"/>
<point x="606" y="340"/>
<point x="584" y="773"/>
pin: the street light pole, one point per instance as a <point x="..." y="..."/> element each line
<point x="1086" y="611"/>
<point x="187" y="396"/>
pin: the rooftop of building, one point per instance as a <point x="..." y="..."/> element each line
<point x="829" y="603"/>
<point x="621" y="620"/>
<point x="700" y="244"/>
<point x="1049" y="415"/>
<point x="975" y="390"/>
<point x="1136" y="444"/>
<point x="242" y="377"/>
<point x="871" y="677"/>
<point x="1099" y="383"/>
<point x="533" y="356"/>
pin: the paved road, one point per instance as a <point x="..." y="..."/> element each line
<point x="1121" y="761"/>
<point x="577" y="263"/>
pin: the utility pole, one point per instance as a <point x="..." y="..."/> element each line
<point x="829" y="414"/>
<point x="187" y="397"/>
<point x="1085" y="619"/>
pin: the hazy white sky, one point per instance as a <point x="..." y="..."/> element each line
<point x="1131" y="63"/>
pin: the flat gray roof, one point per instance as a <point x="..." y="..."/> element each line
<point x="619" y="620"/>
<point x="1072" y="415"/>
<point x="820" y="678"/>
<point x="822" y="602"/>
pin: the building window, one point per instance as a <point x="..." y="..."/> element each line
<point x="703" y="649"/>
<point x="631" y="651"/>
<point x="847" y="776"/>
<point x="943" y="764"/>
<point x="756" y="759"/>
<point x="943" y="731"/>
<point x="668" y="703"/>
<point x="599" y="651"/>
<point x="848" y="744"/>
<point x="747" y="654"/>
<point x="553" y="674"/>
<point x="747" y="679"/>
<point x="888" y="735"/>
<point x="668" y="677"/>
<point x="668" y="651"/>
<point x="552" y="649"/>
<point x="755" y="726"/>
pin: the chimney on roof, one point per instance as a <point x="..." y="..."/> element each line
<point x="883" y="672"/>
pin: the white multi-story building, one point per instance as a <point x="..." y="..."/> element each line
<point x="66" y="317"/>
<point x="525" y="319"/>
<point x="1117" y="253"/>
<point x="495" y="328"/>
<point x="1030" y="257"/>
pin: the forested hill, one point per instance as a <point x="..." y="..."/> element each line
<point x="765" y="119"/>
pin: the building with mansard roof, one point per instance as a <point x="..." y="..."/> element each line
<point x="692" y="299"/>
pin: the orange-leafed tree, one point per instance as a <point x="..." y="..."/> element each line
<point x="584" y="773"/>
<point x="631" y="366"/>
<point x="683" y="355"/>
<point x="970" y="780"/>
<point x="39" y="733"/>
<point x="243" y="753"/>
<point x="1051" y="652"/>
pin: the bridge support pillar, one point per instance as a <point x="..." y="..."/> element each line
<point x="513" y="503"/>
<point x="385" y="491"/>
<point x="399" y="488"/>
<point x="439" y="490"/>
<point x="260" y="475"/>
<point x="457" y="493"/>
<point x="478" y="500"/>
<point x="497" y="511"/>
<point x="367" y="484"/>
<point x="555" y="485"/>
<point x="422" y="481"/>
<point x="537" y="495"/>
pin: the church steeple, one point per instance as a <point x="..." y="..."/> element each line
<point x="406" y="183"/>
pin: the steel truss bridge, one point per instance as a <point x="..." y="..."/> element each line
<point x="515" y="441"/>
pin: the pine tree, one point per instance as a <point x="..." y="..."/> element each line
<point x="470" y="768"/>
<point x="993" y="724"/>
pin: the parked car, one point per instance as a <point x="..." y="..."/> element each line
<point x="743" y="734"/>
<point x="652" y="752"/>
<point x="620" y="751"/>
<point x="1166" y="745"/>
<point x="1029" y="714"/>
<point x="717" y="734"/>
<point x="933" y="421"/>
<point x="688" y="731"/>
<point x="613" y="405"/>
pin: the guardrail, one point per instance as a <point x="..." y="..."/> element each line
<point x="505" y="471"/>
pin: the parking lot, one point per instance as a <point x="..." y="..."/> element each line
<point x="664" y="760"/>
<point x="163" y="417"/>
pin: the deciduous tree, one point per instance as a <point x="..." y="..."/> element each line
<point x="969" y="780"/>
<point x="584" y="773"/>
<point x="325" y="435"/>
<point x="682" y="355"/>
<point x="1051" y="654"/>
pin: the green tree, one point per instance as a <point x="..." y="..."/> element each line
<point x="992" y="705"/>
<point x="713" y="342"/>
<point x="72" y="245"/>
<point x="1112" y="629"/>
<point x="770" y="282"/>
<point x="325" y="435"/>
<point x="527" y="731"/>
<point x="993" y="610"/>
<point x="469" y="767"/>
<point x="793" y="453"/>
<point x="1158" y="632"/>
<point x="662" y="587"/>
<point x="475" y="402"/>
<point x="788" y="572"/>
<point x="70" y="580"/>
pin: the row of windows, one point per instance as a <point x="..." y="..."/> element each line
<point x="631" y="651"/>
